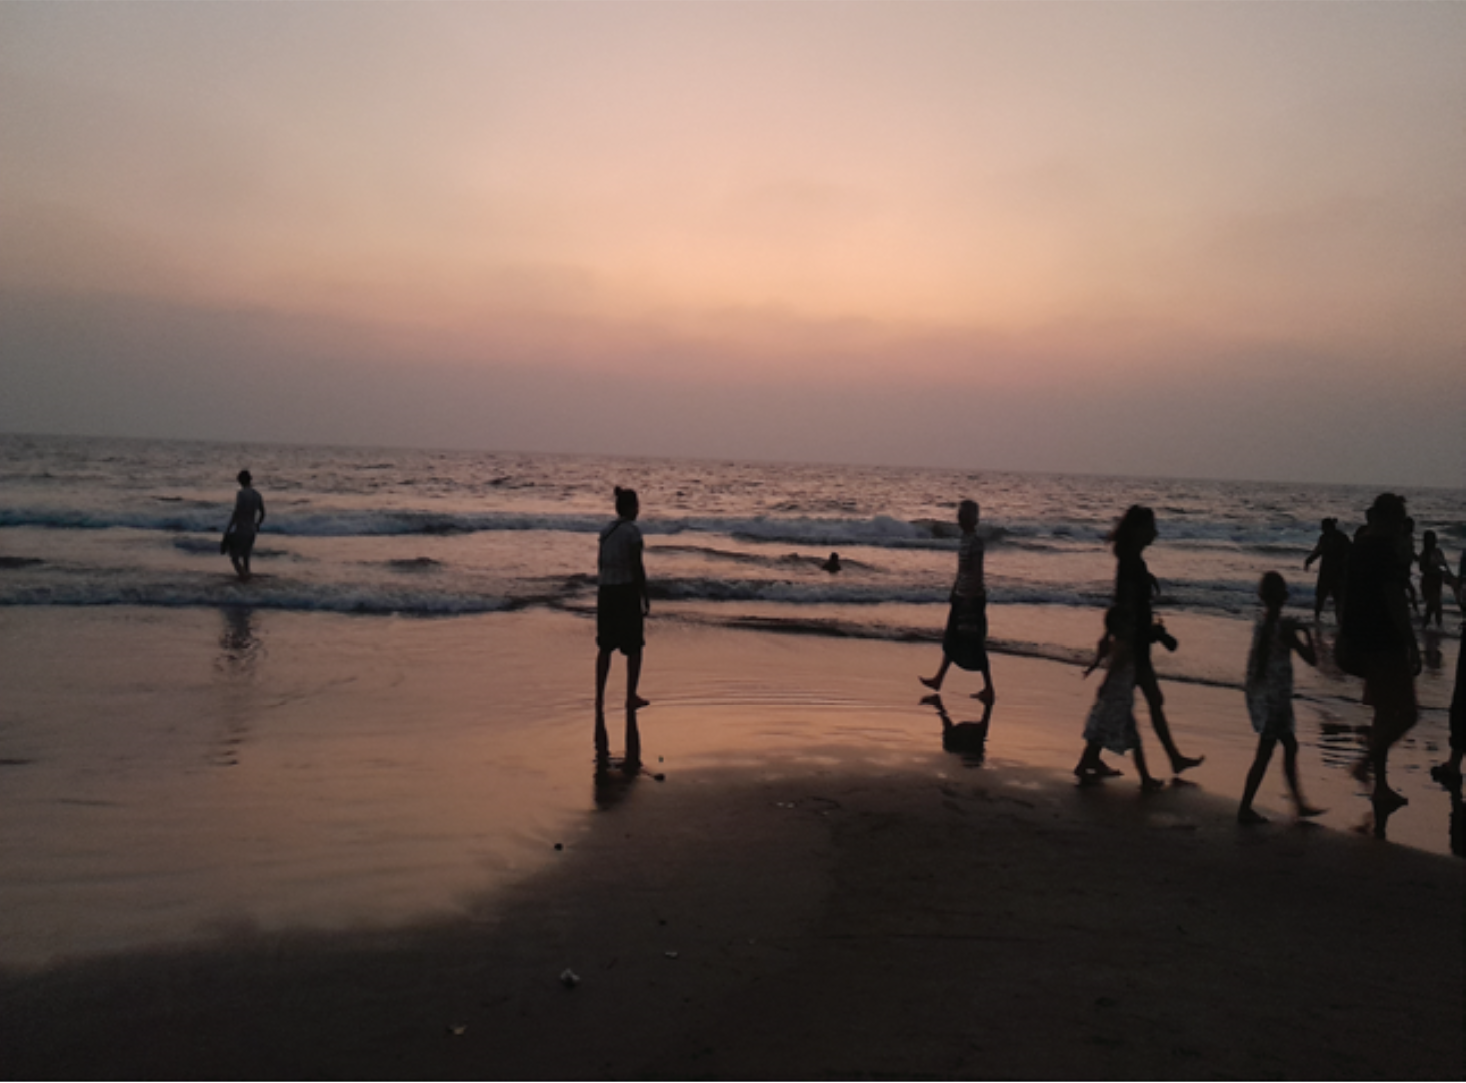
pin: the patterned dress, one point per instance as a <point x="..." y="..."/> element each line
<point x="1111" y="720"/>
<point x="1269" y="685"/>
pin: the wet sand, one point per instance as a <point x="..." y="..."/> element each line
<point x="315" y="860"/>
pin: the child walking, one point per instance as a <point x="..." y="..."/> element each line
<point x="1269" y="689"/>
<point x="1111" y="722"/>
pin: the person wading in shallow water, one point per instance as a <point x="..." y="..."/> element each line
<point x="1332" y="554"/>
<point x="965" y="640"/>
<point x="622" y="605"/>
<point x="244" y="524"/>
<point x="1133" y="588"/>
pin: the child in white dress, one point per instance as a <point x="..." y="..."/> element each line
<point x="1269" y="688"/>
<point x="1111" y="722"/>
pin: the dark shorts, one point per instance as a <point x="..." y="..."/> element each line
<point x="619" y="619"/>
<point x="965" y="640"/>
<point x="241" y="545"/>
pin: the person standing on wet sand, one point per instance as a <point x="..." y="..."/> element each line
<point x="1377" y="640"/>
<point x="1133" y="588"/>
<point x="622" y="602"/>
<point x="244" y="524"/>
<point x="1332" y="554"/>
<point x="965" y="640"/>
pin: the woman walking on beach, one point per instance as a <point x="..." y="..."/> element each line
<point x="1269" y="688"/>
<point x="1377" y="640"/>
<point x="1111" y="722"/>
<point x="1134" y="586"/>
<point x="622" y="602"/>
<point x="965" y="640"/>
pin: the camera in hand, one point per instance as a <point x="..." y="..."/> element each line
<point x="1158" y="634"/>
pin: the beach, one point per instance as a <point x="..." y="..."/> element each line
<point x="278" y="843"/>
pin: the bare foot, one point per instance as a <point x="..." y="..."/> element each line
<point x="635" y="703"/>
<point x="1151" y="784"/>
<point x="1305" y="811"/>
<point x="986" y="697"/>
<point x="1248" y="817"/>
<point x="1186" y="763"/>
<point x="931" y="682"/>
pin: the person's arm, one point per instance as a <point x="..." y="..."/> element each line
<point x="260" y="521"/>
<point x="1317" y="552"/>
<point x="646" y="600"/>
<point x="1100" y="652"/>
<point x="1300" y="639"/>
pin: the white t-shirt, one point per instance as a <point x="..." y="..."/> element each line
<point x="620" y="553"/>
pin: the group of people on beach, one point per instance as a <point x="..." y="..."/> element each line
<point x="1369" y="580"/>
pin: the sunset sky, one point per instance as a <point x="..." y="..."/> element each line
<point x="1222" y="240"/>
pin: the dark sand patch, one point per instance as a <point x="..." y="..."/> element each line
<point x="830" y="925"/>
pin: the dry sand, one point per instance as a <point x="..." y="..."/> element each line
<point x="868" y="907"/>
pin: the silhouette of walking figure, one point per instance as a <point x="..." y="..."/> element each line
<point x="1377" y="639"/>
<point x="244" y="524"/>
<point x="1134" y="586"/>
<point x="965" y="640"/>
<point x="1269" y="689"/>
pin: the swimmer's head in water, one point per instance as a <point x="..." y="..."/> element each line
<point x="244" y="478"/>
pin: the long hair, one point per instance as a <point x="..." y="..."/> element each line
<point x="1137" y="518"/>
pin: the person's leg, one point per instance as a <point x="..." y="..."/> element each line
<point x="1145" y="679"/>
<point x="603" y="670"/>
<point x="1290" y="769"/>
<point x="1320" y="595"/>
<point x="1260" y="761"/>
<point x="986" y="695"/>
<point x="1148" y="781"/>
<point x="633" y="679"/>
<point x="935" y="683"/>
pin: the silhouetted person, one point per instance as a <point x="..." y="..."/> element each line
<point x="1435" y="573"/>
<point x="833" y="564"/>
<point x="1448" y="774"/>
<point x="1410" y="569"/>
<point x="1134" y="586"/>
<point x="244" y="524"/>
<point x="965" y="640"/>
<point x="1332" y="553"/>
<point x="1377" y="640"/>
<point x="1111" y="722"/>
<point x="1269" y="688"/>
<point x="622" y="604"/>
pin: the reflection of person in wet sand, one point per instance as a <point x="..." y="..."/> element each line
<point x="1134" y="586"/>
<point x="965" y="640"/>
<point x="1111" y="722"/>
<point x="1332" y="553"/>
<point x="621" y="606"/>
<point x="1269" y="688"/>
<point x="1378" y="640"/>
<point x="244" y="524"/>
